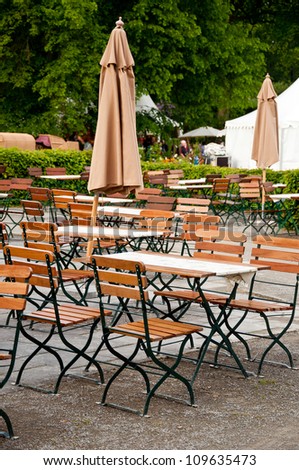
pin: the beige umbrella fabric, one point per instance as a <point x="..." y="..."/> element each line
<point x="265" y="149"/>
<point x="115" y="164"/>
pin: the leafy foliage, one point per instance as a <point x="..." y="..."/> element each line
<point x="203" y="62"/>
<point x="49" y="54"/>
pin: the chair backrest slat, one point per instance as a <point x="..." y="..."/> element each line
<point x="35" y="260"/>
<point x="35" y="171"/>
<point x="224" y="246"/>
<point x="151" y="219"/>
<point x="79" y="212"/>
<point x="193" y="223"/>
<point x="192" y="205"/>
<point x="280" y="254"/>
<point x="55" y="171"/>
<point x="124" y="282"/>
<point x="40" y="194"/>
<point x="13" y="291"/>
<point x="166" y="203"/>
<point x="11" y="303"/>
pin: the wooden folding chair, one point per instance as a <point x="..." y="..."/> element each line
<point x="214" y="246"/>
<point x="157" y="177"/>
<point x="69" y="277"/>
<point x="143" y="195"/>
<point x="47" y="232"/>
<point x="60" y="318"/>
<point x="13" y="291"/>
<point x="5" y="203"/>
<point x="281" y="255"/>
<point x="192" y="205"/>
<point x="226" y="246"/>
<point x="21" y="184"/>
<point x="162" y="203"/>
<point x="211" y="177"/>
<point x="173" y="177"/>
<point x="156" y="221"/>
<point x="61" y="199"/>
<point x="52" y="171"/>
<point x="81" y="214"/>
<point x="194" y="226"/>
<point x="9" y="214"/>
<point x="3" y="235"/>
<point x="126" y="281"/>
<point x="43" y="195"/>
<point x="33" y="210"/>
<point x="247" y="207"/>
<point x="219" y="198"/>
<point x="35" y="171"/>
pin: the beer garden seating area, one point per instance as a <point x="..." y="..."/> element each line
<point x="147" y="261"/>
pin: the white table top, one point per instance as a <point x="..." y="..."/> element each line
<point x="91" y="231"/>
<point x="102" y="199"/>
<point x="187" y="265"/>
<point x="119" y="211"/>
<point x="129" y="212"/>
<point x="3" y="195"/>
<point x="195" y="181"/>
<point x="61" y="177"/>
<point x="283" y="197"/>
<point x="85" y="198"/>
<point x="184" y="187"/>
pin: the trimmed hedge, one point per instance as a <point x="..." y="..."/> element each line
<point x="17" y="163"/>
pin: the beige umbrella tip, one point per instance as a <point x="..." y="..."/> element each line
<point x="119" y="23"/>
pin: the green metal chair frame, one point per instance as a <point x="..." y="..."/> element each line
<point x="127" y="280"/>
<point x="12" y="298"/>
<point x="80" y="279"/>
<point x="282" y="256"/>
<point x="59" y="319"/>
<point x="33" y="210"/>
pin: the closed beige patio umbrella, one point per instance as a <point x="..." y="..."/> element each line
<point x="265" y="148"/>
<point x="115" y="163"/>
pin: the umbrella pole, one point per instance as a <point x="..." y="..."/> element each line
<point x="92" y="223"/>
<point x="263" y="190"/>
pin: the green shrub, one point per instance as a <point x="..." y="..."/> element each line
<point x="18" y="161"/>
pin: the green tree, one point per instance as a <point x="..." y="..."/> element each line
<point x="277" y="25"/>
<point x="189" y="55"/>
<point x="203" y="62"/>
<point x="228" y="64"/>
<point x="49" y="51"/>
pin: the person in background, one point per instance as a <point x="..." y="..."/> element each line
<point x="87" y="145"/>
<point x="75" y="137"/>
<point x="186" y="152"/>
<point x="183" y="150"/>
<point x="88" y="140"/>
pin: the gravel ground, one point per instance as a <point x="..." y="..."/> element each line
<point x="232" y="413"/>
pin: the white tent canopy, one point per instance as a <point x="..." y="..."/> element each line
<point x="202" y="132"/>
<point x="239" y="133"/>
<point x="146" y="105"/>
